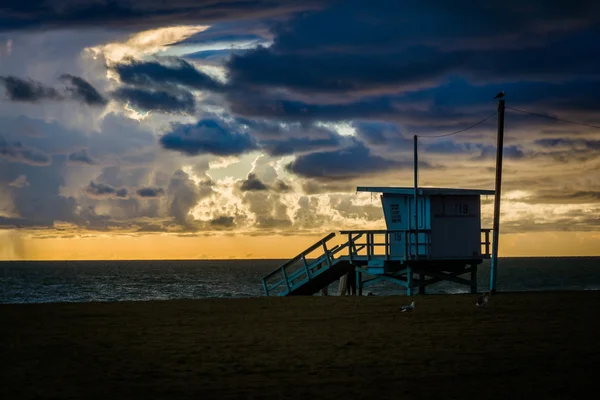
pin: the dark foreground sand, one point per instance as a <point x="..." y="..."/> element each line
<point x="521" y="345"/>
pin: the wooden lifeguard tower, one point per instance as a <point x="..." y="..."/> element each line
<point x="431" y="235"/>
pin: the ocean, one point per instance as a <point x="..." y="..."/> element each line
<point x="86" y="281"/>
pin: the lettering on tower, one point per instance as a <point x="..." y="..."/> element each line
<point x="395" y="213"/>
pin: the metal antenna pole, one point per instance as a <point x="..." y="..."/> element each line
<point x="497" y="196"/>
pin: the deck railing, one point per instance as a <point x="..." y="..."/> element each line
<point x="485" y="253"/>
<point x="377" y="243"/>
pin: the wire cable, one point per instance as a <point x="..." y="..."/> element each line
<point x="462" y="130"/>
<point x="554" y="118"/>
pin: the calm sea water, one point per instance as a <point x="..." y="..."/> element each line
<point x="83" y="281"/>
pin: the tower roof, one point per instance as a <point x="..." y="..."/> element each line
<point x="424" y="191"/>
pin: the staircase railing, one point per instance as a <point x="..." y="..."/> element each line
<point x="293" y="271"/>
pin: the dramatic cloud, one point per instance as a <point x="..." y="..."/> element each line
<point x="157" y="100"/>
<point x="82" y="90"/>
<point x="255" y="104"/>
<point x="207" y="137"/>
<point x="153" y="73"/>
<point x="342" y="164"/>
<point x="30" y="91"/>
<point x="285" y="112"/>
<point x="351" y="47"/>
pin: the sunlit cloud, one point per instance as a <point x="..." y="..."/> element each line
<point x="146" y="43"/>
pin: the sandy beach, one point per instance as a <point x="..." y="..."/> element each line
<point x="520" y="345"/>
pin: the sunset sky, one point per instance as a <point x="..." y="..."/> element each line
<point x="241" y="129"/>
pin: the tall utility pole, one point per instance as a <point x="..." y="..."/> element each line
<point x="416" y="183"/>
<point x="497" y="195"/>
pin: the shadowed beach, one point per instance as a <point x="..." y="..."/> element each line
<point x="520" y="344"/>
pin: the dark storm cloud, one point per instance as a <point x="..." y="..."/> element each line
<point x="355" y="47"/>
<point x="150" y="192"/>
<point x="101" y="190"/>
<point x="80" y="157"/>
<point x="335" y="73"/>
<point x="157" y="100"/>
<point x="136" y="14"/>
<point x="30" y="91"/>
<point x="365" y="74"/>
<point x="345" y="163"/>
<point x="153" y="74"/>
<point x="208" y="136"/>
<point x="387" y="25"/>
<point x="251" y="104"/>
<point x="252" y="183"/>
<point x="82" y="90"/>
<point x="391" y="60"/>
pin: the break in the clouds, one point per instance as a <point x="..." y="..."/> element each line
<point x="264" y="116"/>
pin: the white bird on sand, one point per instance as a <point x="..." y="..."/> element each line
<point x="500" y="95"/>
<point x="409" y="307"/>
<point x="483" y="300"/>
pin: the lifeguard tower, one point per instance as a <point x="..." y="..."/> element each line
<point x="431" y="235"/>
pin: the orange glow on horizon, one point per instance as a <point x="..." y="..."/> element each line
<point x="153" y="247"/>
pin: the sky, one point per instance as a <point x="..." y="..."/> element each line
<point x="145" y="129"/>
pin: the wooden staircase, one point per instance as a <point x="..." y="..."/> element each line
<point x="304" y="276"/>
